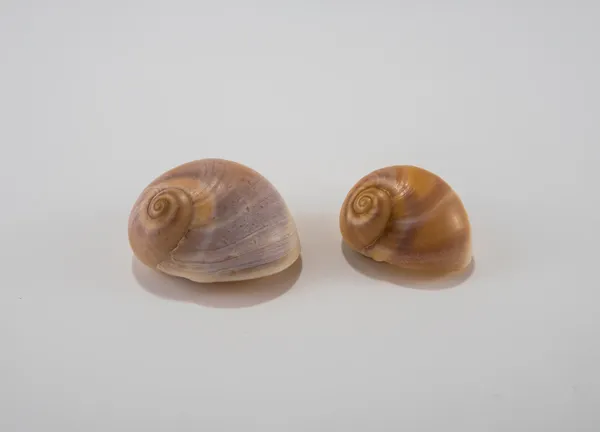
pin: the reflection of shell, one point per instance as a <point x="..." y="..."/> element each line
<point x="408" y="217"/>
<point x="213" y="220"/>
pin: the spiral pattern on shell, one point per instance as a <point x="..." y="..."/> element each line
<point x="160" y="219"/>
<point x="366" y="214"/>
<point x="170" y="207"/>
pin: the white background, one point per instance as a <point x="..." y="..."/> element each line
<point x="98" y="98"/>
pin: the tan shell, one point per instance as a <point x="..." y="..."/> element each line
<point x="408" y="217"/>
<point x="213" y="220"/>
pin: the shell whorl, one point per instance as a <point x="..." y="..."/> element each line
<point x="365" y="214"/>
<point x="170" y="209"/>
<point x="160" y="219"/>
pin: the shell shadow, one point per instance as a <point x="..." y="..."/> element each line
<point x="225" y="295"/>
<point x="405" y="278"/>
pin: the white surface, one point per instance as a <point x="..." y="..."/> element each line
<point x="98" y="98"/>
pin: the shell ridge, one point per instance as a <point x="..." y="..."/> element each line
<point x="280" y="225"/>
<point x="278" y="245"/>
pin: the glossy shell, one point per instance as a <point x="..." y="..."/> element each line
<point x="213" y="220"/>
<point x="408" y="217"/>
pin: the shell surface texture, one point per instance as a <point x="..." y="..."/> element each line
<point x="213" y="220"/>
<point x="408" y="217"/>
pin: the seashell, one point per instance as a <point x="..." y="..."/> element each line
<point x="408" y="217"/>
<point x="213" y="220"/>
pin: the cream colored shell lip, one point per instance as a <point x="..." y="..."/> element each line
<point x="213" y="220"/>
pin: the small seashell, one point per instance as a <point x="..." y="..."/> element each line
<point x="408" y="217"/>
<point x="213" y="220"/>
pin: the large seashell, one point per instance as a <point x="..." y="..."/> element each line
<point x="213" y="220"/>
<point x="408" y="217"/>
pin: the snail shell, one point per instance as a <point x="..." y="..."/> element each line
<point x="408" y="217"/>
<point x="213" y="220"/>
